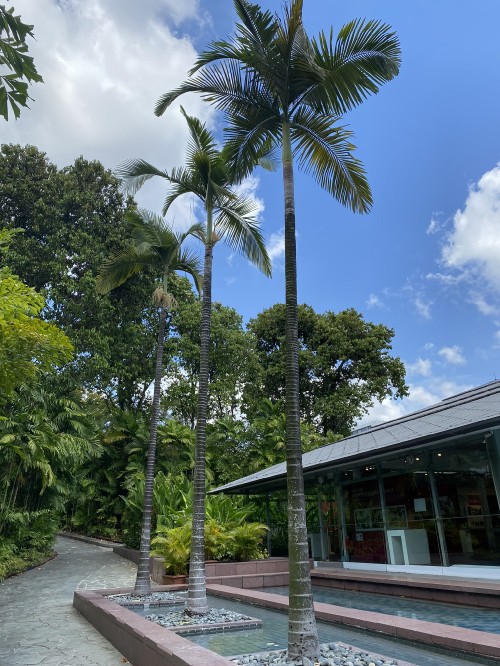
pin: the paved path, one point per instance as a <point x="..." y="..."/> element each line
<point x="38" y="624"/>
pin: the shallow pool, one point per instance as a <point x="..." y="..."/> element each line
<point x="273" y="635"/>
<point x="482" y="619"/>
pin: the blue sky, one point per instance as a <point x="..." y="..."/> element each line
<point x="425" y="261"/>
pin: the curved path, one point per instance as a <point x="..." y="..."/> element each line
<point x="38" y="624"/>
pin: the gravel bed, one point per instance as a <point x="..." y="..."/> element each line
<point x="145" y="598"/>
<point x="179" y="618"/>
<point x="331" y="654"/>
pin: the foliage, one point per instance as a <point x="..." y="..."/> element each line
<point x="223" y="541"/>
<point x="108" y="494"/>
<point x="14" y="57"/>
<point x="73" y="218"/>
<point x="13" y="562"/>
<point x="246" y="541"/>
<point x="232" y="363"/>
<point x="344" y="364"/>
<point x="174" y="545"/>
<point x="28" y="345"/>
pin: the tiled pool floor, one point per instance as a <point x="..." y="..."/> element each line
<point x="482" y="619"/>
<point x="273" y="635"/>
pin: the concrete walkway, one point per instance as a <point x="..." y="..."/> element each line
<point x="38" y="624"/>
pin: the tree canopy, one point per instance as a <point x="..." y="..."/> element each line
<point x="344" y="365"/>
<point x="28" y="345"/>
<point x="73" y="218"/>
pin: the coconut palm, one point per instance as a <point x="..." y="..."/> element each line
<point x="230" y="217"/>
<point x="154" y="246"/>
<point x="282" y="89"/>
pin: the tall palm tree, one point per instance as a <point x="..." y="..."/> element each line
<point x="230" y="217"/>
<point x="154" y="245"/>
<point x="282" y="89"/>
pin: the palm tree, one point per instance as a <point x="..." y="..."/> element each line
<point x="282" y="89"/>
<point x="232" y="218"/>
<point x="154" y="245"/>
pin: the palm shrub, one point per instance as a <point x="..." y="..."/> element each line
<point x="174" y="545"/>
<point x="246" y="541"/>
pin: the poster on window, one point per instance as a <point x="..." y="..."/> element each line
<point x="474" y="512"/>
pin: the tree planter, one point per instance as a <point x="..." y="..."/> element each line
<point x="174" y="579"/>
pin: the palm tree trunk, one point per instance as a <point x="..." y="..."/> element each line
<point x="302" y="631"/>
<point x="143" y="582"/>
<point x="197" y="592"/>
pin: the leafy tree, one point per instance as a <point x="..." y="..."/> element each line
<point x="73" y="219"/>
<point x="281" y="89"/>
<point x="44" y="435"/>
<point x="155" y="246"/>
<point x="344" y="365"/>
<point x="229" y="217"/>
<point x="14" y="57"/>
<point x="232" y="363"/>
<point x="28" y="345"/>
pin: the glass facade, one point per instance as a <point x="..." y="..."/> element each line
<point x="433" y="508"/>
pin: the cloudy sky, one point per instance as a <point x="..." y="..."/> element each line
<point x="425" y="261"/>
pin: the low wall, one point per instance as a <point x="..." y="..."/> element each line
<point x="137" y="639"/>
<point x="156" y="564"/>
<point x="270" y="572"/>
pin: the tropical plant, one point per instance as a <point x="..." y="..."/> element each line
<point x="232" y="218"/>
<point x="154" y="245"/>
<point x="281" y="89"/>
<point x="174" y="545"/>
<point x="246" y="540"/>
<point x="14" y="58"/>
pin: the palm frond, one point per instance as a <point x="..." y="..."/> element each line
<point x="201" y="139"/>
<point x="251" y="138"/>
<point x="365" y="55"/>
<point x="134" y="173"/>
<point x="324" y="149"/>
<point x="120" y="267"/>
<point x="188" y="262"/>
<point x="237" y="224"/>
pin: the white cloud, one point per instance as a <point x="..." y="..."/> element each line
<point x="104" y="65"/>
<point x="373" y="301"/>
<point x="422" y="366"/>
<point x="421" y="396"/>
<point x="452" y="355"/>
<point x="276" y="245"/>
<point x="428" y="346"/>
<point x="474" y="242"/>
<point x="248" y="188"/>
<point x="435" y="225"/>
<point x="479" y="300"/>
<point x="423" y="307"/>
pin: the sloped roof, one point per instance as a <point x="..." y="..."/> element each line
<point x="459" y="414"/>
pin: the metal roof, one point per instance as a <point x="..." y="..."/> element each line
<point x="457" y="415"/>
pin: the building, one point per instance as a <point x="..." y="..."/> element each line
<point x="420" y="491"/>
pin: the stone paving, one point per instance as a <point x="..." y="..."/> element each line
<point x="38" y="624"/>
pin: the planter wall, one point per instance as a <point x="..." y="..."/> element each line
<point x="137" y="639"/>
